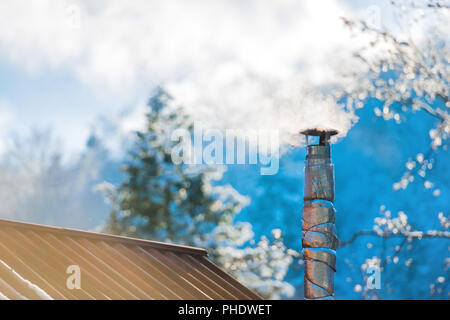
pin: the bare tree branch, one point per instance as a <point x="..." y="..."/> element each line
<point x="410" y="235"/>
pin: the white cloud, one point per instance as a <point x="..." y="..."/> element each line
<point x="240" y="63"/>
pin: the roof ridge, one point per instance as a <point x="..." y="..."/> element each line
<point x="104" y="237"/>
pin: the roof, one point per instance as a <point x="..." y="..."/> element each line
<point x="34" y="261"/>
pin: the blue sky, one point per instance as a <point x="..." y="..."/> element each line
<point x="51" y="99"/>
<point x="46" y="83"/>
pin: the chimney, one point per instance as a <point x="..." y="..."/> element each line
<point x="319" y="239"/>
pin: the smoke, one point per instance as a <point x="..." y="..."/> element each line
<point x="232" y="64"/>
<point x="260" y="103"/>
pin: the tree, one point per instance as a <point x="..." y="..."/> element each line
<point x="166" y="201"/>
<point x="41" y="185"/>
<point x="402" y="76"/>
<point x="183" y="203"/>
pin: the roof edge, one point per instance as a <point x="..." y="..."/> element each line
<point x="104" y="236"/>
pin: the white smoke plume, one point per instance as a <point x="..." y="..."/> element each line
<point x="232" y="64"/>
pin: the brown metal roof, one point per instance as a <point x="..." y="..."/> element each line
<point x="34" y="260"/>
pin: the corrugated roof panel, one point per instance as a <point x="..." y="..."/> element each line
<point x="34" y="260"/>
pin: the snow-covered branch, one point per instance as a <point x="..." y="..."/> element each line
<point x="409" y="235"/>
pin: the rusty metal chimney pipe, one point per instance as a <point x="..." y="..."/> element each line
<point x="319" y="239"/>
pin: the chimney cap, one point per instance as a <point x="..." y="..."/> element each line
<point x="319" y="132"/>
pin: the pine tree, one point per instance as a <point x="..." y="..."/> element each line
<point x="162" y="200"/>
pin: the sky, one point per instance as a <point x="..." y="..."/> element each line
<point x="64" y="64"/>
